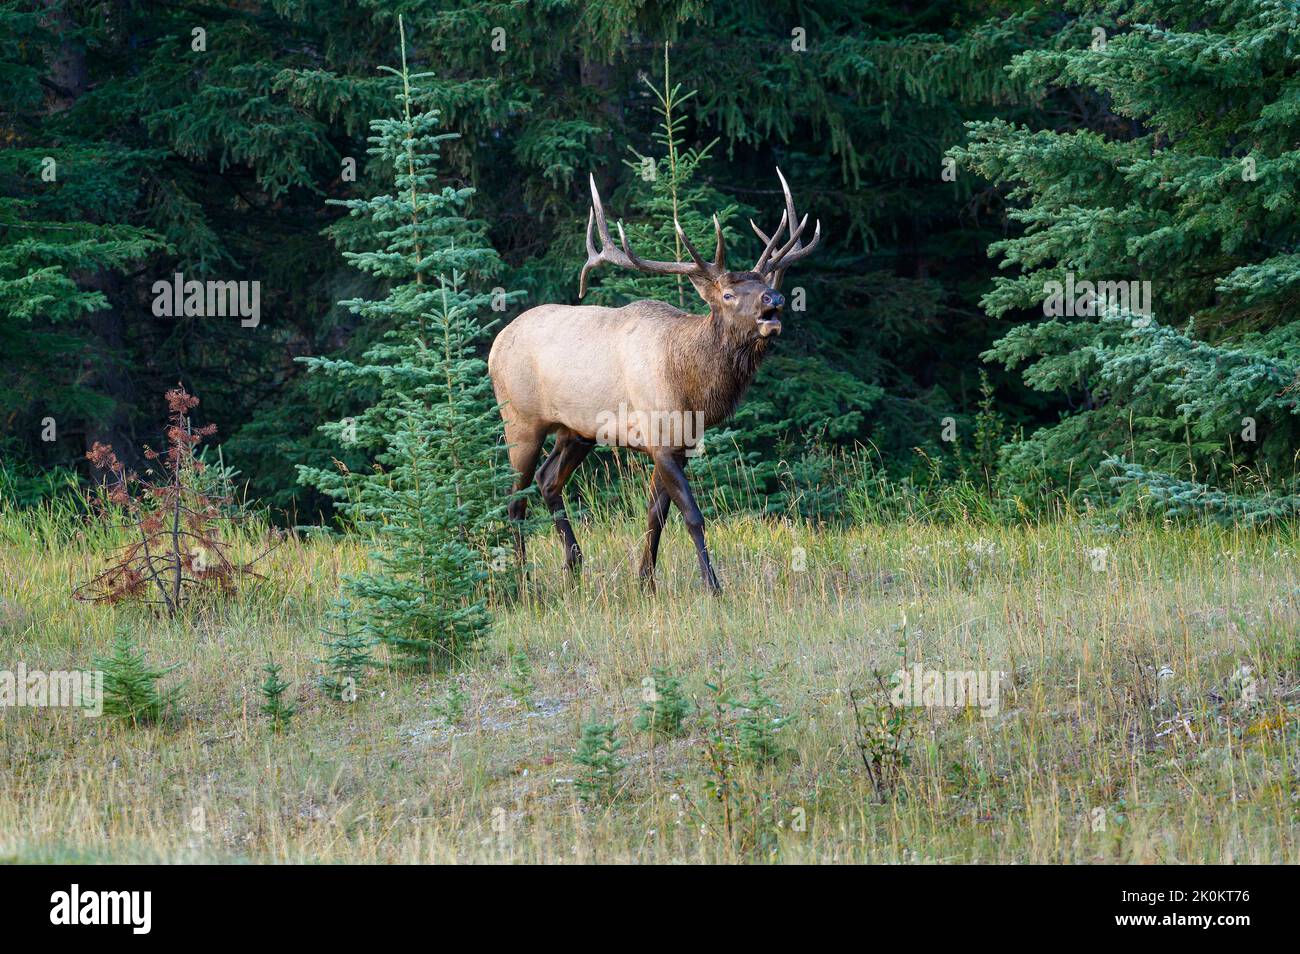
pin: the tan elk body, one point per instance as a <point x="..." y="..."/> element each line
<point x="654" y="373"/>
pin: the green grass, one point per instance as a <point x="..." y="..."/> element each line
<point x="1177" y="767"/>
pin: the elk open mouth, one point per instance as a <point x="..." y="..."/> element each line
<point x="769" y="323"/>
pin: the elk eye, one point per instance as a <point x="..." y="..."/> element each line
<point x="728" y="296"/>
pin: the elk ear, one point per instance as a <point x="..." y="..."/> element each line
<point x="707" y="289"/>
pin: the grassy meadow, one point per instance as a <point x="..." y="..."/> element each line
<point x="1123" y="733"/>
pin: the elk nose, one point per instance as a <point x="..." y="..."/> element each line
<point x="773" y="299"/>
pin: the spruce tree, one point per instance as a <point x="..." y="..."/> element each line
<point x="131" y="685"/>
<point x="183" y="122"/>
<point x="432" y="502"/>
<point x="1186" y="180"/>
<point x="347" y="656"/>
<point x="274" y="705"/>
<point x="59" y="197"/>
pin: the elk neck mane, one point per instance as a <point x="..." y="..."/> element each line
<point x="711" y="364"/>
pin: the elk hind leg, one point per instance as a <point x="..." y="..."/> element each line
<point x="655" y="520"/>
<point x="570" y="450"/>
<point x="525" y="451"/>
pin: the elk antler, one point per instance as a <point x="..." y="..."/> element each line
<point x="774" y="262"/>
<point x="609" y="252"/>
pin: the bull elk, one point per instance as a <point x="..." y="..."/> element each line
<point x="571" y="370"/>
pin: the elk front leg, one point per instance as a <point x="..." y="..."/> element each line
<point x="570" y="451"/>
<point x="670" y="472"/>
<point x="658" y="515"/>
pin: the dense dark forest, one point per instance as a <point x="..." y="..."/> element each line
<point x="966" y="160"/>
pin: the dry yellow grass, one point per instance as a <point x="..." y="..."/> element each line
<point x="1088" y="760"/>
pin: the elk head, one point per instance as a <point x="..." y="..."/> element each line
<point x="749" y="303"/>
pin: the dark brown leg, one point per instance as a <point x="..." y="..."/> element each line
<point x="670" y="472"/>
<point x="657" y="517"/>
<point x="569" y="451"/>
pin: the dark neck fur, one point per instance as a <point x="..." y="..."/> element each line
<point x="714" y="366"/>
